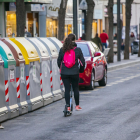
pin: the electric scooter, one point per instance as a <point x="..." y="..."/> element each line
<point x="66" y="112"/>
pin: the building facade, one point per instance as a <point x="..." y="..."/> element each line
<point x="35" y="17"/>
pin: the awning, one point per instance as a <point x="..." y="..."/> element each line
<point x="31" y="1"/>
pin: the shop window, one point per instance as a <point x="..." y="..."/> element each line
<point x="32" y="24"/>
<point x="68" y="29"/>
<point x="11" y="23"/>
<point x="94" y="28"/>
<point x="51" y="27"/>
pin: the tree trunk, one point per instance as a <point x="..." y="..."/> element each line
<point x="110" y="17"/>
<point x="127" y="30"/>
<point x="20" y="17"/>
<point x="89" y="19"/>
<point x="61" y="19"/>
<point x="139" y="41"/>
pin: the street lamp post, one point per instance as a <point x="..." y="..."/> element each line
<point x="75" y="31"/>
<point x="118" y="30"/>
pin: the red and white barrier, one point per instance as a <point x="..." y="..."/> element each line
<point x="41" y="81"/>
<point x="28" y="85"/>
<point x="61" y="81"/>
<point x="18" y="87"/>
<point x="51" y="78"/>
<point x="6" y="91"/>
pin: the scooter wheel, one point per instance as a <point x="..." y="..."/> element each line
<point x="65" y="111"/>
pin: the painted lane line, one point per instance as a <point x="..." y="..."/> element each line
<point x="85" y="92"/>
<point x="96" y="89"/>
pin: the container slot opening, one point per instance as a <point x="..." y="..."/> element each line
<point x="20" y="54"/>
<point x="10" y="54"/>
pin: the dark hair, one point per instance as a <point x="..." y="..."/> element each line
<point x="67" y="46"/>
<point x="132" y="35"/>
<point x="96" y="35"/>
<point x="104" y="31"/>
<point x="83" y="36"/>
<point x="72" y="37"/>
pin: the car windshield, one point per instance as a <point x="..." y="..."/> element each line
<point x="135" y="43"/>
<point x="95" y="47"/>
<point x="84" y="49"/>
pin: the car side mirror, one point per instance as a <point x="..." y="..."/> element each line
<point x="97" y="54"/>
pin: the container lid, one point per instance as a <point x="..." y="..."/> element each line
<point x="7" y="51"/>
<point x="41" y="47"/>
<point x="28" y="50"/>
<point x="6" y="55"/>
<point x="51" y="46"/>
<point x="58" y="42"/>
<point x="20" y="56"/>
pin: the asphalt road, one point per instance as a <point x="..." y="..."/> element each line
<point x="109" y="113"/>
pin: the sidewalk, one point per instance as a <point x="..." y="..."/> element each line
<point x="133" y="59"/>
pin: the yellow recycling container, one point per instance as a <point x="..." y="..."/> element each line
<point x="32" y="72"/>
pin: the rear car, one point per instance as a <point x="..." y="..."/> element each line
<point x="135" y="47"/>
<point x="96" y="65"/>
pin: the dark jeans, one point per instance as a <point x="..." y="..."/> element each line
<point x="104" y="44"/>
<point x="74" y="80"/>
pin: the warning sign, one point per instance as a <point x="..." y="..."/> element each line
<point x="83" y="5"/>
<point x="22" y="73"/>
<point x="12" y="79"/>
<point x="34" y="71"/>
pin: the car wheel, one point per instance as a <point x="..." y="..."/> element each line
<point x="103" y="82"/>
<point x="92" y="82"/>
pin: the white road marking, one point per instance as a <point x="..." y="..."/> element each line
<point x="85" y="92"/>
<point x="138" y="138"/>
<point x="96" y="89"/>
<point x="122" y="80"/>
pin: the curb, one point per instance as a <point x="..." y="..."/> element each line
<point x="115" y="67"/>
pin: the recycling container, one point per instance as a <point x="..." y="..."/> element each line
<point x="58" y="45"/>
<point x="56" y="42"/>
<point x="32" y="73"/>
<point x="3" y="108"/>
<point x="44" y="69"/>
<point x="20" y="76"/>
<point x="10" y="80"/>
<point x="54" y="70"/>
